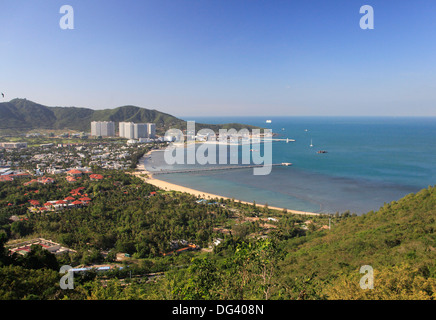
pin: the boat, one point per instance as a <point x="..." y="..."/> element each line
<point x="311" y="144"/>
<point x="287" y="164"/>
<point x="268" y="121"/>
<point x="322" y="151"/>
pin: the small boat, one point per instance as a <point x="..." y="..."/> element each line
<point x="322" y="151"/>
<point x="268" y="121"/>
<point x="287" y="164"/>
<point x="311" y="144"/>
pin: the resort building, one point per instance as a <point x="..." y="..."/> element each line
<point x="151" y="130"/>
<point x="13" y="145"/>
<point x="24" y="247"/>
<point x="103" y="128"/>
<point x="132" y="130"/>
<point x="127" y="130"/>
<point x="74" y="173"/>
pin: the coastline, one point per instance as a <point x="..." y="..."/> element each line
<point x="164" y="185"/>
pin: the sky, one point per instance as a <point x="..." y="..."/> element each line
<point x="223" y="57"/>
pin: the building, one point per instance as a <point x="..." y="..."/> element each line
<point x="103" y="128"/>
<point x="121" y="129"/>
<point x="24" y="247"/>
<point x="132" y="130"/>
<point x="140" y="130"/>
<point x="13" y="145"/>
<point x="74" y="173"/>
<point x="95" y="177"/>
<point x="127" y="130"/>
<point x="151" y="130"/>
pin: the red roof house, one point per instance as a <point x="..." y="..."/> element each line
<point x="96" y="177"/>
<point x="6" y="178"/>
<point x="34" y="202"/>
<point x="71" y="179"/>
<point x="74" y="173"/>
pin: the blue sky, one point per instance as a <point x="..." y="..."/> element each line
<point x="225" y="57"/>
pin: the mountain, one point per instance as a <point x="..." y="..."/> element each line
<point x="23" y="115"/>
<point x="398" y="242"/>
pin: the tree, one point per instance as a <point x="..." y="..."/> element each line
<point x="5" y="259"/>
<point x="264" y="260"/>
<point x="39" y="258"/>
<point x="401" y="282"/>
<point x="202" y="282"/>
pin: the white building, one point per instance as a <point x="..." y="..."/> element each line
<point x="132" y="130"/>
<point x="127" y="130"/>
<point x="13" y="145"/>
<point x="140" y="130"/>
<point x="151" y="130"/>
<point x="103" y="128"/>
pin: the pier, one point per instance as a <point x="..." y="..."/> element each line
<point x="279" y="139"/>
<point x="219" y="168"/>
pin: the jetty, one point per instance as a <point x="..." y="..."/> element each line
<point x="279" y="139"/>
<point x="219" y="168"/>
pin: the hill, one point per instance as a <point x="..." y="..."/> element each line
<point x="398" y="242"/>
<point x="23" y="115"/>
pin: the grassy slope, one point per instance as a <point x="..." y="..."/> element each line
<point x="400" y="233"/>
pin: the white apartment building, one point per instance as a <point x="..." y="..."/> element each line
<point x="132" y="130"/>
<point x="151" y="130"/>
<point x="103" y="128"/>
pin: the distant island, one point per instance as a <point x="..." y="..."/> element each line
<point x="21" y="115"/>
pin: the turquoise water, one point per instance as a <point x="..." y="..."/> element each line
<point x="370" y="161"/>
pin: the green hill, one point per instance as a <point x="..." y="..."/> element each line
<point x="22" y="115"/>
<point x="398" y="242"/>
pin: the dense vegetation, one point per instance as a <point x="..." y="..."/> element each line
<point x="24" y="114"/>
<point x="288" y="257"/>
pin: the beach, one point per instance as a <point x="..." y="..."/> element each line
<point x="164" y="185"/>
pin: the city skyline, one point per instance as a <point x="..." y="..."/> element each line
<point x="220" y="58"/>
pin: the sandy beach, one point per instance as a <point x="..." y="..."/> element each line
<point x="141" y="170"/>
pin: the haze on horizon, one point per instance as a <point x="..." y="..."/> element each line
<point x="212" y="57"/>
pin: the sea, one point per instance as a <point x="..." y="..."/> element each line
<point x="369" y="161"/>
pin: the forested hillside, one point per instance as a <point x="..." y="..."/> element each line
<point x="287" y="257"/>
<point x="23" y="114"/>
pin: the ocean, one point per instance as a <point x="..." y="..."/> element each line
<point x="369" y="161"/>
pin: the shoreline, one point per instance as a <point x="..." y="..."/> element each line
<point x="164" y="185"/>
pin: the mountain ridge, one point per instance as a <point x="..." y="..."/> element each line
<point x="23" y="114"/>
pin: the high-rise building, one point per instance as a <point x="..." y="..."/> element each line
<point x="140" y="130"/>
<point x="151" y="130"/>
<point x="121" y="129"/>
<point x="132" y="130"/>
<point x="103" y="128"/>
<point x="127" y="130"/>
